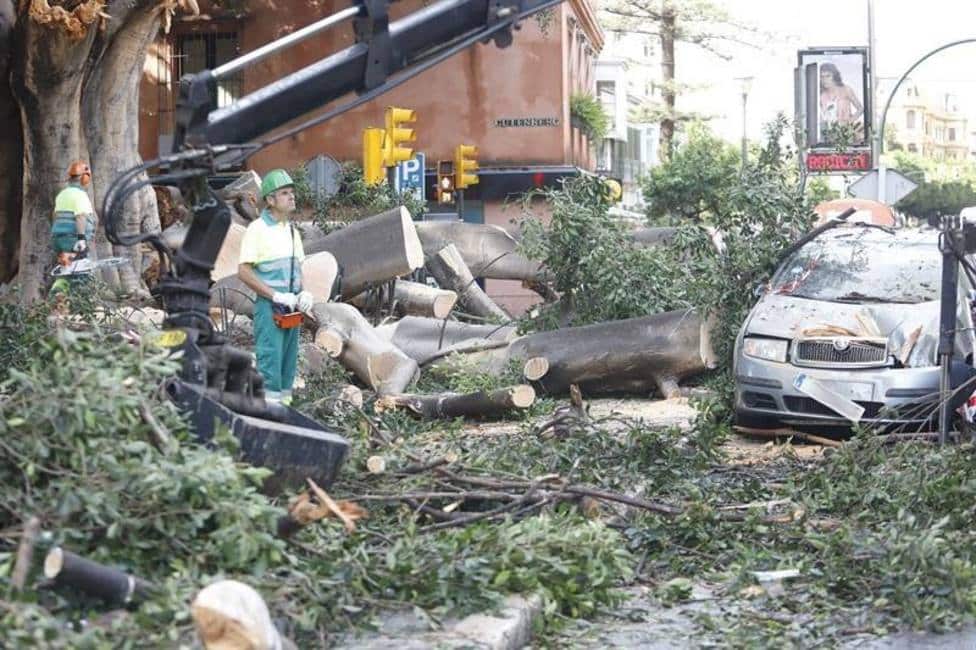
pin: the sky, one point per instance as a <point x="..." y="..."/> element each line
<point x="904" y="30"/>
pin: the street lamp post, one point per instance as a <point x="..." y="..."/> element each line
<point x="746" y="86"/>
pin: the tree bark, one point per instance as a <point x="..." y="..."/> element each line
<point x="414" y="299"/>
<point x="11" y="150"/>
<point x="453" y="405"/>
<point x="668" y="32"/>
<point x="450" y="271"/>
<point x="419" y="338"/>
<point x="348" y="337"/>
<point x="97" y="580"/>
<point x="489" y="251"/>
<point x="633" y="355"/>
<point x="47" y="84"/>
<point x="374" y="250"/>
<point x="110" y="113"/>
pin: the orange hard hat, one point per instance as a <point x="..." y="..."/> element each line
<point x="80" y="169"/>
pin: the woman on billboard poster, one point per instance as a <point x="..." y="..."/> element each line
<point x="839" y="106"/>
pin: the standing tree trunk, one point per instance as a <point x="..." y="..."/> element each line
<point x="75" y="77"/>
<point x="668" y="31"/>
<point x="11" y="149"/>
<point x="113" y="139"/>
<point x="47" y="83"/>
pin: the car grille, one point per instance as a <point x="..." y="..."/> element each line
<point x="830" y="352"/>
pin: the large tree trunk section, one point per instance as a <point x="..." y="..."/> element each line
<point x="46" y="82"/>
<point x="230" y="293"/>
<point x="229" y="256"/>
<point x="348" y="337"/>
<point x="633" y="355"/>
<point x="412" y="299"/>
<point x="373" y="250"/>
<point x="450" y="271"/>
<point x="454" y="405"/>
<point x="110" y="113"/>
<point x="663" y="348"/>
<point x="11" y="150"/>
<point x="489" y="251"/>
<point x="421" y="338"/>
<point x="319" y="273"/>
<point x="96" y="580"/>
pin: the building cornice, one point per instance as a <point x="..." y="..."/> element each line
<point x="588" y="23"/>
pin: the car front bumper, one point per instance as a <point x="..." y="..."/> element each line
<point x="889" y="396"/>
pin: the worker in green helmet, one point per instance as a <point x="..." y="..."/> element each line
<point x="271" y="265"/>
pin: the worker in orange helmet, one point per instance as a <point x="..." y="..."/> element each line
<point x="74" y="218"/>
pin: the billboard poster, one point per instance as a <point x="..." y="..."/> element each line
<point x="834" y="102"/>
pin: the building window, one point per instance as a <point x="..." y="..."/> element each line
<point x="912" y="148"/>
<point x="952" y="134"/>
<point x="910" y="120"/>
<point x="606" y="92"/>
<point x="196" y="52"/>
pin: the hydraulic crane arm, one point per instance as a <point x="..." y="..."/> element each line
<point x="409" y="45"/>
<point x="207" y="138"/>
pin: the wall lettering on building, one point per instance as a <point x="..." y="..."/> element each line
<point x="834" y="161"/>
<point x="526" y="122"/>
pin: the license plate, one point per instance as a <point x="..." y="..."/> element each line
<point x="855" y="390"/>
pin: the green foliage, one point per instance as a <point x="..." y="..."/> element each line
<point x="818" y="191"/>
<point x="355" y="199"/>
<point x="603" y="275"/>
<point x="697" y="183"/>
<point x="935" y="199"/>
<point x="588" y="111"/>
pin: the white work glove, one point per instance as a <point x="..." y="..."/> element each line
<point x="305" y="301"/>
<point x="286" y="299"/>
<point x="80" y="246"/>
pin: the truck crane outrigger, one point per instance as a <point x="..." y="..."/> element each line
<point x="217" y="381"/>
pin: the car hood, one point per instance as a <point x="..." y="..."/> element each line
<point x="787" y="317"/>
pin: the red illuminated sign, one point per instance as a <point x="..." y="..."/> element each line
<point x="834" y="161"/>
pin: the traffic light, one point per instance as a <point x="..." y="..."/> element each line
<point x="465" y="165"/>
<point x="396" y="135"/>
<point x="445" y="181"/>
<point x="373" y="156"/>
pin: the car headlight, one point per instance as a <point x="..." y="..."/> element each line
<point x="769" y="349"/>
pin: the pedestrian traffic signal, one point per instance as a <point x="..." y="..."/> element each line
<point x="445" y="181"/>
<point x="397" y="134"/>
<point x="465" y="164"/>
<point x="373" y="156"/>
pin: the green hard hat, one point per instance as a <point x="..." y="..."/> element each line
<point x="274" y="180"/>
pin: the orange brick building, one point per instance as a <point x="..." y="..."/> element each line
<point x="513" y="103"/>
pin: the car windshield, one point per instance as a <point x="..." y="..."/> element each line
<point x="859" y="269"/>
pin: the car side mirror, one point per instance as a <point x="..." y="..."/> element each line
<point x="759" y="290"/>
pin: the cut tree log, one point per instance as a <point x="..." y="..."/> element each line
<point x="448" y="268"/>
<point x="230" y="251"/>
<point x="414" y="298"/>
<point x="452" y="405"/>
<point x="97" y="580"/>
<point x="489" y="251"/>
<point x="637" y="354"/>
<point x="374" y="250"/>
<point x="420" y="338"/>
<point x="348" y="337"/>
<point x="319" y="273"/>
<point x="318" y="277"/>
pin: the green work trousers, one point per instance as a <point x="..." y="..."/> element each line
<point x="277" y="352"/>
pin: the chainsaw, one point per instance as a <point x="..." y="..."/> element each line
<point x="79" y="265"/>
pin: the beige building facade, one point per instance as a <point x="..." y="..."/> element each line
<point x="928" y="124"/>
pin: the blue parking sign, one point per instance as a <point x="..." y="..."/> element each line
<point x="410" y="176"/>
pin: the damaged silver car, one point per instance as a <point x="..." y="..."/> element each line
<point x="847" y="331"/>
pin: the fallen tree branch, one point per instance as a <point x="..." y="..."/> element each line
<point x="25" y="553"/>
<point x="452" y="405"/>
<point x="788" y="433"/>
